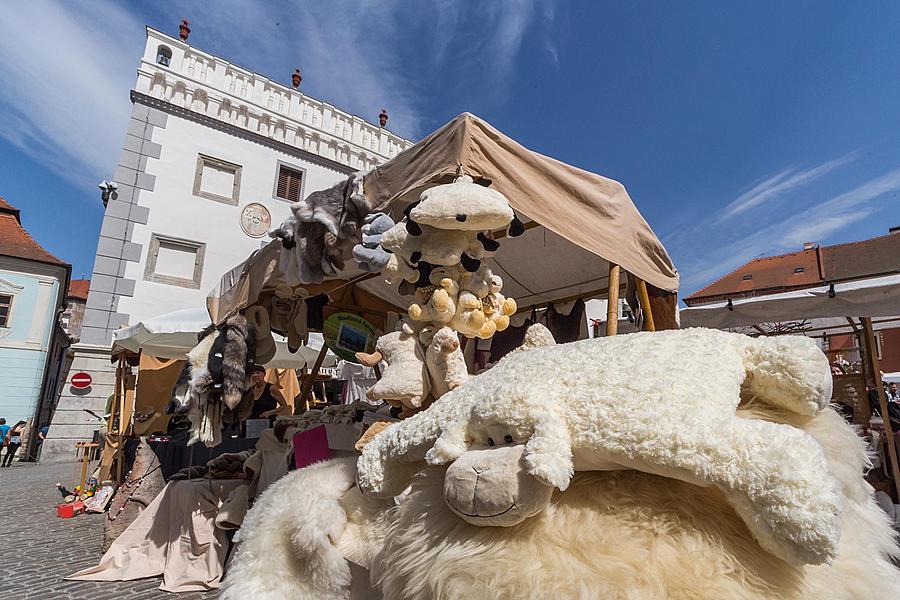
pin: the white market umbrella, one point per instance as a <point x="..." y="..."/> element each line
<point x="874" y="297"/>
<point x="173" y="334"/>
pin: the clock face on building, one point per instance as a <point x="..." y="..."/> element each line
<point x="256" y="220"/>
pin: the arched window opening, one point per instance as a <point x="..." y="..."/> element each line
<point x="163" y="56"/>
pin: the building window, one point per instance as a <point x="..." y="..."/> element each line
<point x="5" y="309"/>
<point x="747" y="277"/>
<point x="289" y="183"/>
<point x="799" y="269"/>
<point x="163" y="56"/>
<point x="175" y="261"/>
<point x="217" y="179"/>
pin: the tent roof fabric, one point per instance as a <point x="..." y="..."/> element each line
<point x="591" y="211"/>
<point x="587" y="221"/>
<point x="875" y="297"/>
<point x="173" y="334"/>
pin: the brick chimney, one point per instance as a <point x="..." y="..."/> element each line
<point x="184" y="30"/>
<point x="383" y="117"/>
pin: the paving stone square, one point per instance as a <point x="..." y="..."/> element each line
<point x="38" y="549"/>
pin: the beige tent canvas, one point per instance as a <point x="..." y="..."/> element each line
<point x="577" y="224"/>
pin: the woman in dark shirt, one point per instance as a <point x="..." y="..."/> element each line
<point x="267" y="399"/>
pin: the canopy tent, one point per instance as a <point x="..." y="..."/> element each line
<point x="875" y="297"/>
<point x="173" y="334"/>
<point x="578" y="224"/>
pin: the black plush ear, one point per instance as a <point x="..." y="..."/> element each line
<point x="487" y="243"/>
<point x="484" y="181"/>
<point x="424" y="270"/>
<point x="412" y="228"/>
<point x="516" y="227"/>
<point x="469" y="264"/>
<point x="409" y="208"/>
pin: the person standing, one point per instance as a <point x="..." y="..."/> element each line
<point x="13" y="441"/>
<point x="893" y="395"/>
<point x="41" y="436"/>
<point x="4" y="429"/>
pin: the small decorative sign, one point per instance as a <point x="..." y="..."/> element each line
<point x="256" y="220"/>
<point x="346" y="334"/>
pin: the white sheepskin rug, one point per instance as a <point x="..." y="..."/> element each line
<point x="611" y="535"/>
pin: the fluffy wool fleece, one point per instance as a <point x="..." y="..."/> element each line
<point x="636" y="536"/>
<point x="613" y="535"/>
<point x="287" y="542"/>
<point x="661" y="403"/>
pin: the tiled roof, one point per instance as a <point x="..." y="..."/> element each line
<point x="15" y="241"/>
<point x="797" y="270"/>
<point x="78" y="288"/>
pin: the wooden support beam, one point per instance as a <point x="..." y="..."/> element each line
<point x="612" y="307"/>
<point x="501" y="233"/>
<point x="875" y="370"/>
<point x="311" y="378"/>
<point x="644" y="299"/>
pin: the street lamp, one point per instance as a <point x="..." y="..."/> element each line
<point x="108" y="189"/>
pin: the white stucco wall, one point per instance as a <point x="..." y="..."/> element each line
<point x="176" y="212"/>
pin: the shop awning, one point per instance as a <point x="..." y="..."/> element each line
<point x="172" y="335"/>
<point x="581" y="208"/>
<point x="874" y="297"/>
<point x="578" y="223"/>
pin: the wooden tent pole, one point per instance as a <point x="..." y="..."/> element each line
<point x="612" y="307"/>
<point x="644" y="299"/>
<point x="120" y="400"/>
<point x="311" y="378"/>
<point x="872" y="359"/>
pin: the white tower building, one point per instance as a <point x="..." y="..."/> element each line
<point x="214" y="154"/>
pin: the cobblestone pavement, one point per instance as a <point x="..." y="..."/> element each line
<point x="37" y="549"/>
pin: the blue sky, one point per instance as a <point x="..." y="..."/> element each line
<point x="739" y="129"/>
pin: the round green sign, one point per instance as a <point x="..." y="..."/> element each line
<point x="346" y="334"/>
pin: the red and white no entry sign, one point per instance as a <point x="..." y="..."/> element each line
<point x="81" y="381"/>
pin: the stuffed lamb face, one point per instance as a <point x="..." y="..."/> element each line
<point x="662" y="403"/>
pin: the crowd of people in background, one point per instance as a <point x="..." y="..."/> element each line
<point x="12" y="436"/>
<point x="12" y="440"/>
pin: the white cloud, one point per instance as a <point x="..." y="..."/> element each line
<point x="68" y="67"/>
<point x="812" y="224"/>
<point x="779" y="184"/>
<point x="67" y="72"/>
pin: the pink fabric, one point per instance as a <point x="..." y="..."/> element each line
<point x="311" y="447"/>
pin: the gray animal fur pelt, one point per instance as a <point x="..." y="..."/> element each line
<point x="321" y="230"/>
<point x="237" y="355"/>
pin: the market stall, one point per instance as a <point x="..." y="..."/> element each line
<point x="859" y="303"/>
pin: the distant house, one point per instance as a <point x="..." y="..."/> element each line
<point x="73" y="315"/>
<point x="33" y="285"/>
<point x="817" y="266"/>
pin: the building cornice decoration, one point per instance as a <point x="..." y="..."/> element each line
<point x="236" y="131"/>
<point x="205" y="85"/>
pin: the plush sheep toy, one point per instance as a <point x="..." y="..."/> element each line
<point x="404" y="381"/>
<point x="462" y="205"/>
<point x="663" y="403"/>
<point x="445" y="247"/>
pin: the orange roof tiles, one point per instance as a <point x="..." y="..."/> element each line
<point x="798" y="270"/>
<point x="78" y="288"/>
<point x="16" y="242"/>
